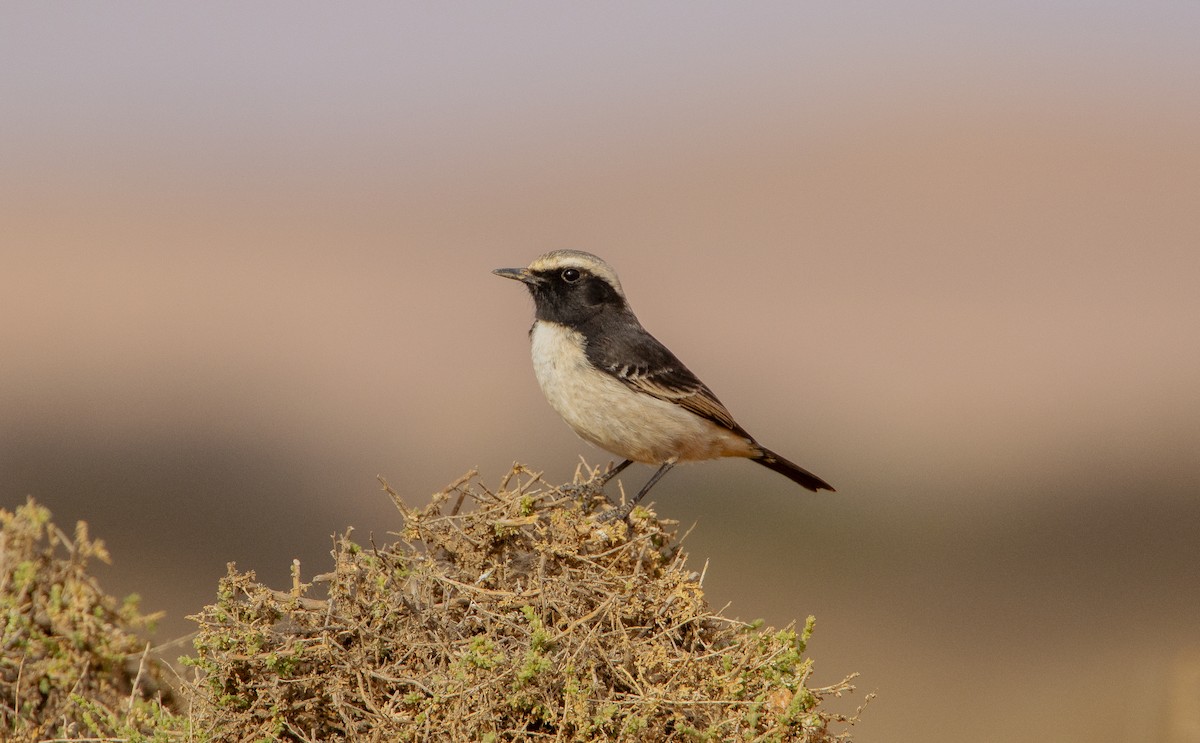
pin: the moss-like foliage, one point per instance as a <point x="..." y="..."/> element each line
<point x="72" y="659"/>
<point x="521" y="617"/>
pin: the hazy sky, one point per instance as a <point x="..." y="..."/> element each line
<point x="944" y="255"/>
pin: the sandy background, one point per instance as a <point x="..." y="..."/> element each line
<point x="946" y="256"/>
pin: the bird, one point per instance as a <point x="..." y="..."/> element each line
<point x="617" y="386"/>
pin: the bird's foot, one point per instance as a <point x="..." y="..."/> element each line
<point x="584" y="492"/>
<point x="623" y="511"/>
<point x="617" y="513"/>
<point x="587" y="490"/>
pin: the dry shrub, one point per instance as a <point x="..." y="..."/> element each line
<point x="73" y="662"/>
<point x="521" y="617"/>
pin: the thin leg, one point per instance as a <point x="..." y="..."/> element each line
<point x="625" y="510"/>
<point x="613" y="473"/>
<point x="585" y="490"/>
<point x="666" y="467"/>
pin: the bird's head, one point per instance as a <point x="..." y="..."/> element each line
<point x="569" y="286"/>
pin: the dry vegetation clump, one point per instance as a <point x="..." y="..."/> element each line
<point x="521" y="617"/>
<point x="72" y="662"/>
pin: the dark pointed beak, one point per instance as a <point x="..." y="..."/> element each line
<point x="519" y="274"/>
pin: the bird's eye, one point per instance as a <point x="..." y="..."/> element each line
<point x="571" y="275"/>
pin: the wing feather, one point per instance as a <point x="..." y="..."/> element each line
<point x="638" y="360"/>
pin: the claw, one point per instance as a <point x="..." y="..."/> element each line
<point x="619" y="513"/>
<point x="584" y="491"/>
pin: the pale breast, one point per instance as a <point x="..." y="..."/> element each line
<point x="607" y="413"/>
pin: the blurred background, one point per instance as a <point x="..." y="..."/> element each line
<point x="945" y="255"/>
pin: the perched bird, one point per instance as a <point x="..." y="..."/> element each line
<point x="617" y="386"/>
